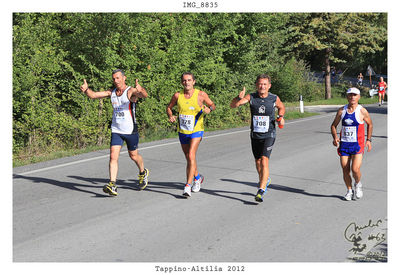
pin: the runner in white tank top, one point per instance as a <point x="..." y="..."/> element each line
<point x="123" y="127"/>
<point x="124" y="117"/>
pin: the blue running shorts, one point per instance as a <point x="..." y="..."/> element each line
<point x="185" y="138"/>
<point x="132" y="140"/>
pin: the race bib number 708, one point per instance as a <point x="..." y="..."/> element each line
<point x="260" y="124"/>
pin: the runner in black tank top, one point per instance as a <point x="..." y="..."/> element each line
<point x="263" y="132"/>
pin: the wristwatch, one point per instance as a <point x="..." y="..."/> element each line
<point x="368" y="139"/>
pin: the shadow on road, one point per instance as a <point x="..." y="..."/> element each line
<point x="155" y="186"/>
<point x="70" y="185"/>
<point x="96" y="184"/>
<point x="152" y="186"/>
<point x="223" y="194"/>
<point x="287" y="189"/>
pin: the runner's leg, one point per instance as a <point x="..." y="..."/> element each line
<point x="259" y="168"/>
<point x="356" y="166"/>
<point x="190" y="151"/>
<point x="345" y="163"/>
<point x="137" y="158"/>
<point x="113" y="165"/>
<point x="264" y="169"/>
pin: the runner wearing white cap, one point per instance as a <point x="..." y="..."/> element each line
<point x="352" y="140"/>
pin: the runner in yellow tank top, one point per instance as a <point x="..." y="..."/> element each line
<point x="191" y="128"/>
<point x="190" y="114"/>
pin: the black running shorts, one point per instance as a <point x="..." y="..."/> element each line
<point x="262" y="147"/>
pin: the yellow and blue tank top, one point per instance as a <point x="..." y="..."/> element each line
<point x="190" y="113"/>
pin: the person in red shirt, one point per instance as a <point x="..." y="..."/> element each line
<point x="382" y="86"/>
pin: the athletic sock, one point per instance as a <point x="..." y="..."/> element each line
<point x="197" y="177"/>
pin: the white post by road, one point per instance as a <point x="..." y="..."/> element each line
<point x="301" y="104"/>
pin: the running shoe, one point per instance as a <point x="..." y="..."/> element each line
<point x="110" y="189"/>
<point x="261" y="192"/>
<point x="143" y="179"/>
<point x="358" y="191"/>
<point x="187" y="192"/>
<point x="349" y="195"/>
<point x="260" y="195"/>
<point x="197" y="184"/>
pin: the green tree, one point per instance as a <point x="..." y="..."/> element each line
<point x="337" y="37"/>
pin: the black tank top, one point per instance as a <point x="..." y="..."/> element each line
<point x="262" y="116"/>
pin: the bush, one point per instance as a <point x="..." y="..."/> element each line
<point x="291" y="80"/>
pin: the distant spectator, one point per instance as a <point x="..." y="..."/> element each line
<point x="333" y="74"/>
<point x="360" y="78"/>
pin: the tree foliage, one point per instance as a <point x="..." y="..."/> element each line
<point x="54" y="52"/>
<point x="336" y="37"/>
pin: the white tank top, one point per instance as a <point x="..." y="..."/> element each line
<point x="124" y="118"/>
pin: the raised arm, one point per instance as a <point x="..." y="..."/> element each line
<point x="137" y="92"/>
<point x="241" y="99"/>
<point x="91" y="94"/>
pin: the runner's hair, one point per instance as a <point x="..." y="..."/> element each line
<point x="263" y="76"/>
<point x="118" y="70"/>
<point x="187" y="73"/>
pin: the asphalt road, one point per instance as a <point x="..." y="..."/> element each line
<point x="60" y="213"/>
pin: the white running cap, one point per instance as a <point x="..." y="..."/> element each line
<point x="353" y="91"/>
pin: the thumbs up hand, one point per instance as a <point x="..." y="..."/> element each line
<point x="138" y="87"/>
<point x="242" y="93"/>
<point x="84" y="86"/>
